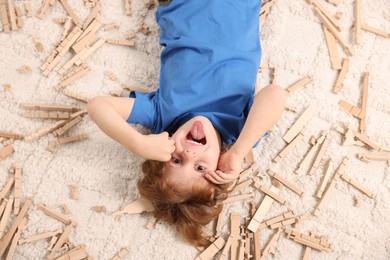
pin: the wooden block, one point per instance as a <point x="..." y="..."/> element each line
<point x="121" y="42"/>
<point x="150" y="5"/>
<point x="212" y="250"/>
<point x="309" y="112"/>
<point x="137" y="206"/>
<point x="226" y="248"/>
<point x="133" y="88"/>
<point x="325" y="178"/>
<point x="310" y="154"/>
<point x="242" y="185"/>
<point x="288" y="148"/>
<point x="326" y="15"/>
<point x="12" y="15"/>
<point x="375" y="30"/>
<point x="40" y="236"/>
<point x="17" y="190"/>
<point x="358" y="19"/>
<point x="121" y="253"/>
<point x="92" y="17"/>
<point x="285" y="182"/>
<point x="268" y="192"/>
<point x="75" y="96"/>
<point x="252" y="169"/>
<point x="67" y="127"/>
<point x="334" y="2"/>
<point x="54" y="214"/>
<point x="366" y="140"/>
<point x="70" y="12"/>
<point x="151" y="223"/>
<point x="320" y="154"/>
<point x="337" y="87"/>
<point x="262" y="211"/>
<point x="91" y="50"/>
<point x="74" y="191"/>
<point x="362" y="114"/>
<point x="357" y="186"/>
<point x="74" y="77"/>
<point x="76" y="253"/>
<point x="28" y="9"/>
<point x="4" y="15"/>
<point x="238" y="197"/>
<point x="235" y="220"/>
<point x="326" y="194"/>
<point x="301" y="83"/>
<point x="11" y="135"/>
<point x="6" y="151"/>
<point x="144" y="29"/>
<point x="354" y="110"/>
<point x="332" y="48"/>
<point x="347" y="48"/>
<point x="61" y="240"/>
<point x="88" y="39"/>
<point x="44" y="9"/>
<point x="6" y="216"/>
<point x="24" y="69"/>
<point x="375" y="156"/>
<point x="110" y="26"/>
<point x="127" y="7"/>
<point x="59" y="20"/>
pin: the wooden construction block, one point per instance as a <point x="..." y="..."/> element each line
<point x="7" y="187"/>
<point x="137" y="206"/>
<point x="54" y="214"/>
<point x="7" y="87"/>
<point x="307" y="252"/>
<point x="332" y="48"/>
<point x="44" y="9"/>
<point x="110" y="26"/>
<point x="17" y="190"/>
<point x="27" y="7"/>
<point x="300" y="84"/>
<point x="121" y="254"/>
<point x="127" y="7"/>
<point x="130" y="35"/>
<point x="218" y="226"/>
<point x="366" y="140"/>
<point x="111" y="75"/>
<point x="6" y="151"/>
<point x="21" y="227"/>
<point x="40" y="236"/>
<point x="59" y="20"/>
<point x="38" y="45"/>
<point x="11" y="135"/>
<point x="362" y="114"/>
<point x="375" y="30"/>
<point x="241" y="250"/>
<point x="358" y="21"/>
<point x="19" y="20"/>
<point x="133" y="88"/>
<point x="337" y="87"/>
<point x="212" y="250"/>
<point x="275" y="76"/>
<point x="262" y="210"/>
<point x="375" y="156"/>
<point x="88" y="39"/>
<point x="324" y="180"/>
<point x="354" y="110"/>
<point x="73" y="78"/>
<point x="309" y="112"/>
<point x="4" y="243"/>
<point x="235" y="220"/>
<point x="46" y="115"/>
<point x="150" y="5"/>
<point x="70" y="12"/>
<point x="144" y="29"/>
<point x="268" y="192"/>
<point x="65" y="209"/>
<point x="320" y="154"/>
<point x="151" y="223"/>
<point x="334" y="2"/>
<point x="69" y="139"/>
<point x="238" y="197"/>
<point x="4" y="16"/>
<point x="76" y="253"/>
<point x="286" y="183"/>
<point x="279" y="218"/>
<point x="121" y="42"/>
<point x="272" y="241"/>
<point x="326" y="194"/>
<point x="75" y="96"/>
<point x="357" y="186"/>
<point x="74" y="191"/>
<point x="67" y="127"/>
<point x="24" y="69"/>
<point x="6" y="216"/>
<point x="288" y="148"/>
<point x="306" y="240"/>
<point x="12" y="15"/>
<point x="347" y="48"/>
<point x="300" y="219"/>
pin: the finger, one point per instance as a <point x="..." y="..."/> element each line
<point x="225" y="176"/>
<point x="216" y="177"/>
<point x="210" y="178"/>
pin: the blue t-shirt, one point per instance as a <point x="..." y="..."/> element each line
<point x="208" y="66"/>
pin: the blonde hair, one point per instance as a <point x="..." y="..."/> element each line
<point x="189" y="212"/>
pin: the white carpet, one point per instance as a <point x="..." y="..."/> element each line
<point x="106" y="174"/>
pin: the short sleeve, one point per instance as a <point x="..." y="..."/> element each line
<point x="144" y="109"/>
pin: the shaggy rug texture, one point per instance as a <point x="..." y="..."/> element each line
<point x="106" y="174"/>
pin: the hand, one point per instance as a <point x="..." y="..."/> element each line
<point x="157" y="147"/>
<point x="229" y="168"/>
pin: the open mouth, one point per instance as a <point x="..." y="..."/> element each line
<point x="196" y="135"/>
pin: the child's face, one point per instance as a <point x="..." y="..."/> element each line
<point x="197" y="151"/>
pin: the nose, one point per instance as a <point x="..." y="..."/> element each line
<point x="189" y="154"/>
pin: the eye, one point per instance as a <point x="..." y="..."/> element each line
<point x="200" y="168"/>
<point x="176" y="161"/>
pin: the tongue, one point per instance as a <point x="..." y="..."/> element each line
<point x="197" y="131"/>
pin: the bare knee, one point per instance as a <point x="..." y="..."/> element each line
<point x="93" y="105"/>
<point x="276" y="93"/>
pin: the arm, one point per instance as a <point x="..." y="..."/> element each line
<point x="110" y="115"/>
<point x="267" y="107"/>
